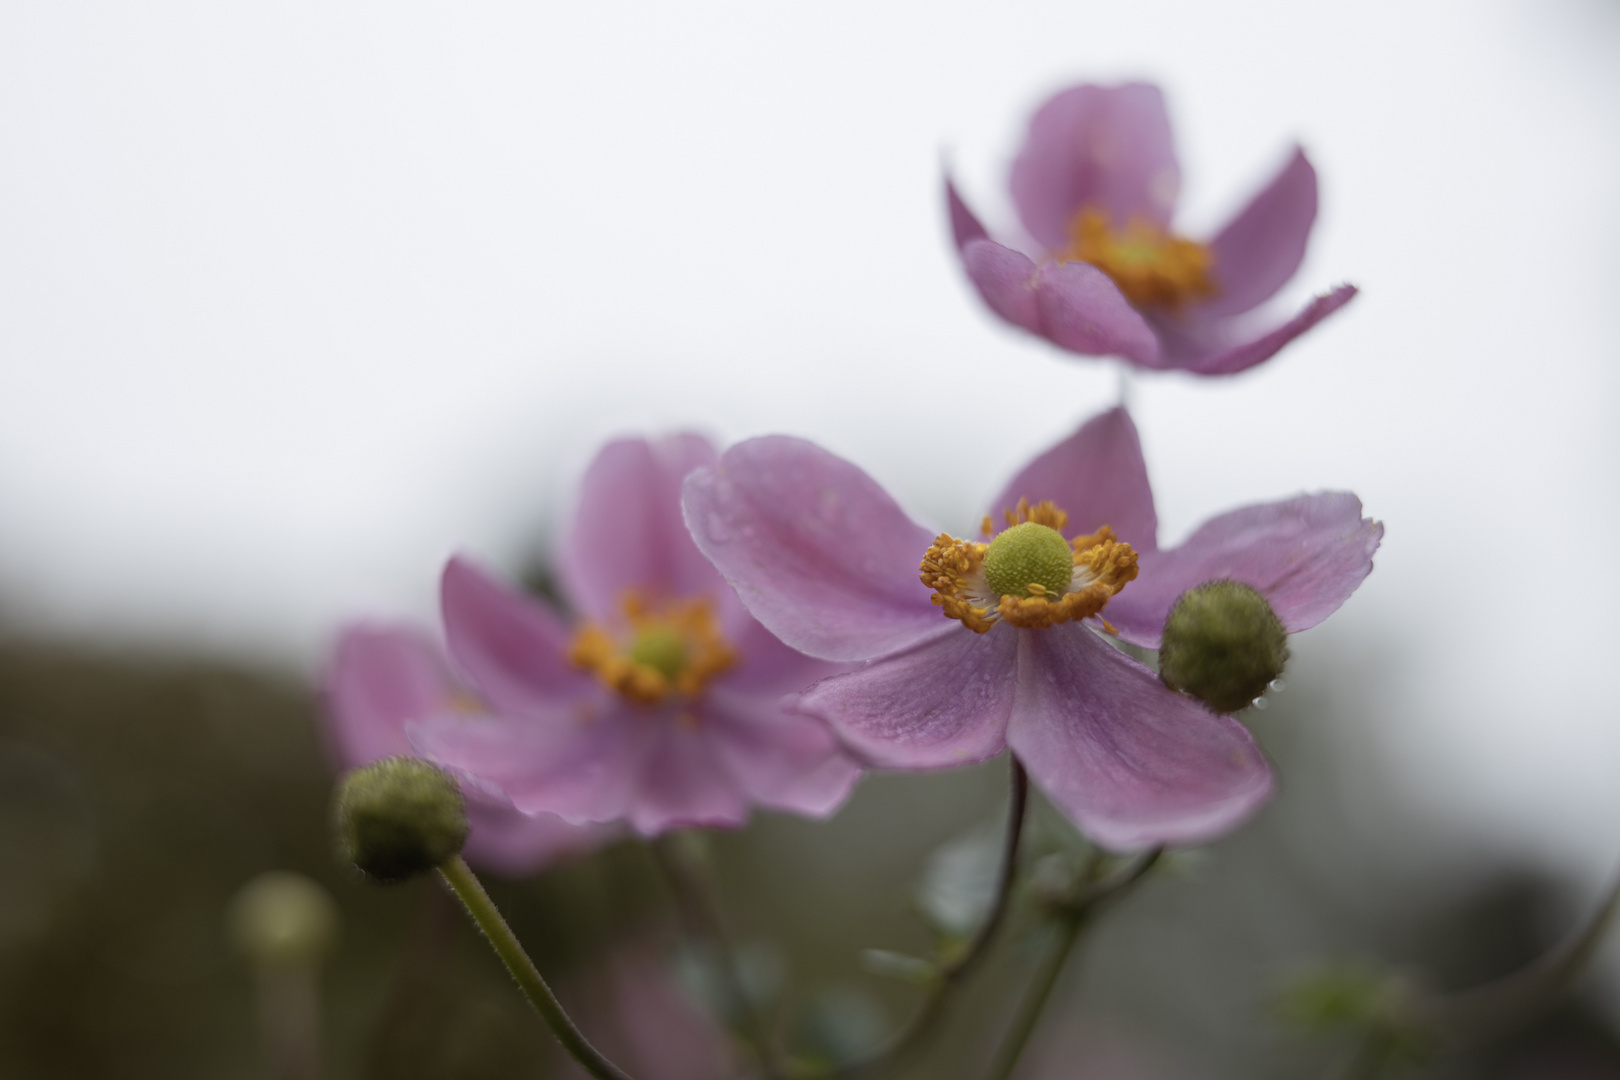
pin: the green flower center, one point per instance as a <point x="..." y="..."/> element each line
<point x="661" y="648"/>
<point x="1029" y="560"/>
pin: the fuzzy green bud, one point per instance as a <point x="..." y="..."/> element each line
<point x="281" y="919"/>
<point x="1029" y="554"/>
<point x="1223" y="645"/>
<point x="400" y="817"/>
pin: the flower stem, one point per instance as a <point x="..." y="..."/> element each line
<point x="459" y="876"/>
<point x="1491" y="1009"/>
<point x="910" y="1035"/>
<point x="1073" y="919"/>
<point x="1488" y="1012"/>
<point x="700" y="910"/>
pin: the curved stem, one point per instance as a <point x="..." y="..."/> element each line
<point x="946" y="977"/>
<point x="1491" y="1009"/>
<point x="700" y="910"/>
<point x="1034" y="1003"/>
<point x="459" y="876"/>
<point x="1074" y="919"/>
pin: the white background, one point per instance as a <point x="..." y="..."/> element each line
<point x="297" y="298"/>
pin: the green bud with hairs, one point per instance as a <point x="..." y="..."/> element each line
<point x="1223" y="645"/>
<point x="400" y="817"/>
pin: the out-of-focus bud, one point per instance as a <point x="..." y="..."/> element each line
<point x="400" y="817"/>
<point x="282" y="919"/>
<point x="1223" y="645"/>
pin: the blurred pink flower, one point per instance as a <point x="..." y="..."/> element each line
<point x="1095" y="185"/>
<point x="660" y="706"/>
<point x="827" y="560"/>
<point x="382" y="679"/>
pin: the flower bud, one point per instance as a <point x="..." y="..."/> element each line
<point x="282" y="919"/>
<point x="400" y="817"/>
<point x="1223" y="645"/>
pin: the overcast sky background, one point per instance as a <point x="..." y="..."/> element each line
<point x="295" y="301"/>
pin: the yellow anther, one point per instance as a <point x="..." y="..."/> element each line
<point x="1152" y="267"/>
<point x="674" y="647"/>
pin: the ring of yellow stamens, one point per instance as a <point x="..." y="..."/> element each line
<point x="1100" y="566"/>
<point x="674" y="647"/>
<point x="1152" y="267"/>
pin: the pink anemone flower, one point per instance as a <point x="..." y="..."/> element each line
<point x="384" y="678"/>
<point x="997" y="644"/>
<point x="660" y="704"/>
<point x="1095" y="186"/>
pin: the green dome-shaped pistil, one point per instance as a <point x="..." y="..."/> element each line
<point x="1223" y="645"/>
<point x="1029" y="554"/>
<point x="661" y="648"/>
<point x="400" y="817"/>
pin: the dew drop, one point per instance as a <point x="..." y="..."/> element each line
<point x="1261" y="704"/>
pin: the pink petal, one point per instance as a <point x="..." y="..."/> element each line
<point x="1130" y="762"/>
<point x="1261" y="248"/>
<point x="942" y="702"/>
<point x="1005" y="280"/>
<point x="509" y="842"/>
<point x="682" y="778"/>
<point x="1208" y="348"/>
<point x="780" y="759"/>
<point x="1098" y="476"/>
<point x="1082" y="310"/>
<point x="766" y="666"/>
<point x="1103" y="146"/>
<point x="627" y="531"/>
<point x="1305" y="555"/>
<point x="580" y="765"/>
<point x="1073" y="305"/>
<point x="816" y="550"/>
<point x="512" y="648"/>
<point x="380" y="678"/>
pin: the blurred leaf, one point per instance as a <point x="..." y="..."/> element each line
<point x="959" y="881"/>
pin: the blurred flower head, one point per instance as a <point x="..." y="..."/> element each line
<point x="827" y="560"/>
<point x="660" y="704"/>
<point x="1095" y="186"/>
<point x="383" y="678"/>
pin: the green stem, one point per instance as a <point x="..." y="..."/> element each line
<point x="949" y="974"/>
<point x="1073" y="919"/>
<point x="1034" y="1003"/>
<point x="459" y="876"/>
<point x="1488" y="1011"/>
<point x="700" y="910"/>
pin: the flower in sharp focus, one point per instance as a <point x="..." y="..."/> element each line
<point x="661" y="704"/>
<point x="383" y="679"/>
<point x="828" y="561"/>
<point x="1095" y="186"/>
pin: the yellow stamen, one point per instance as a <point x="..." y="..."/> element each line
<point x="954" y="570"/>
<point x="674" y="647"/>
<point x="1152" y="267"/>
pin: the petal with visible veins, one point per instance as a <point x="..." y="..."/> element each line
<point x="1305" y="555"/>
<point x="1131" y="762"/>
<point x="1097" y="476"/>
<point x="942" y="702"/>
<point x="816" y="550"/>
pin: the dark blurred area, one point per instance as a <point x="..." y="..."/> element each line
<point x="139" y="793"/>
